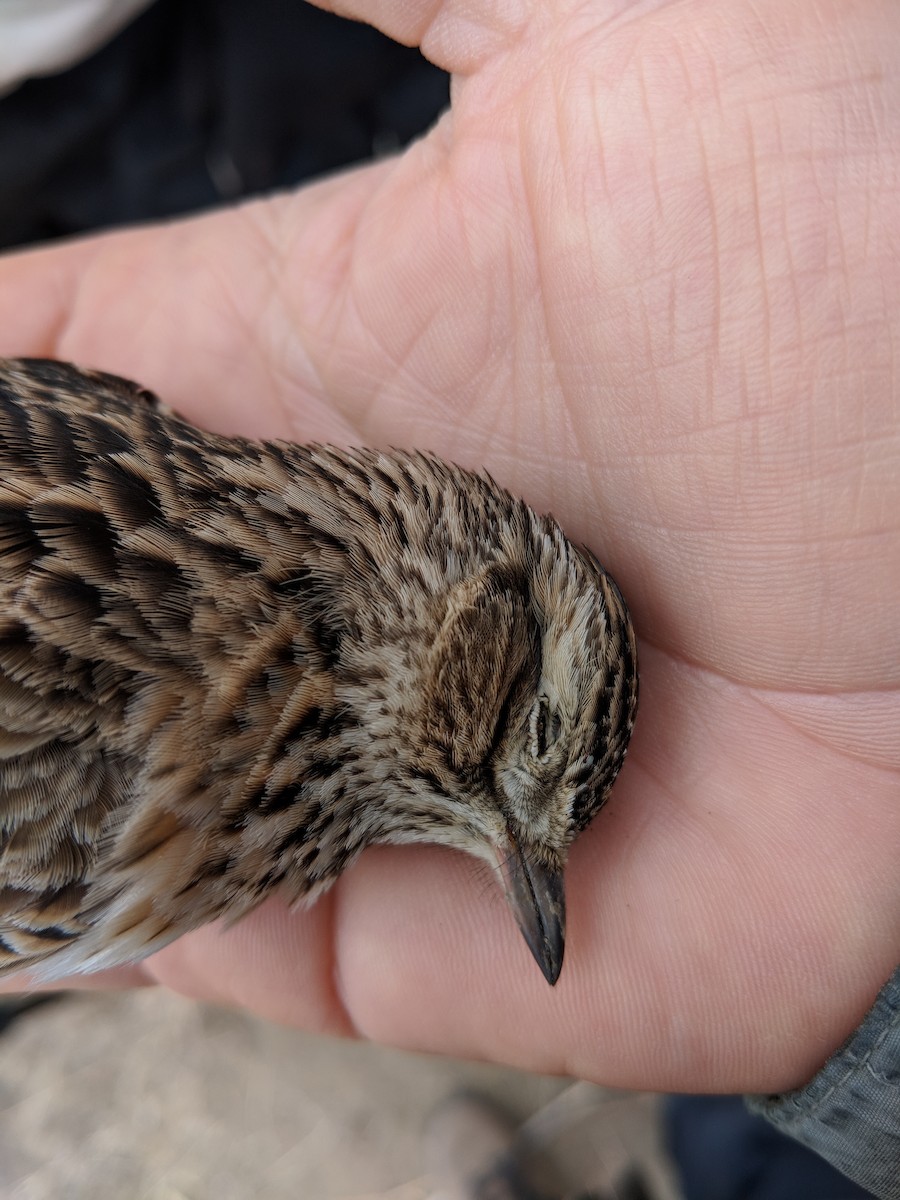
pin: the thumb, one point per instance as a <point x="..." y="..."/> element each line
<point x="458" y="35"/>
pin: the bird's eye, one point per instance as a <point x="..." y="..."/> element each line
<point x="544" y="727"/>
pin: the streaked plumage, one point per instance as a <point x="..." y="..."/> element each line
<point x="227" y="667"/>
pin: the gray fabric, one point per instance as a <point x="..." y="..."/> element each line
<point x="850" y="1112"/>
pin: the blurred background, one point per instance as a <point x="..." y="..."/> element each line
<point x="193" y="103"/>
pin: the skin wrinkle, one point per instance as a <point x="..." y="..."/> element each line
<point x="337" y="981"/>
<point x="771" y="701"/>
<point x="403" y="362"/>
<point x="393" y="362"/>
<point x="534" y="225"/>
<point x="486" y="374"/>
<point x="650" y="126"/>
<point x="338" y="273"/>
<point x="538" y="386"/>
<point x="500" y="428"/>
<point x="476" y="39"/>
<point x="661" y="646"/>
<point x="320" y="293"/>
<point x="647" y="769"/>
<point x="504" y="424"/>
<point x="713" y="365"/>
<point x="550" y="321"/>
<point x="63" y="330"/>
<point x="330" y="1014"/>
<point x="457" y="201"/>
<point x="268" y="227"/>
<point x="782" y="700"/>
<point x="760" y="247"/>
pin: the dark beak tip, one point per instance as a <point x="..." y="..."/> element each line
<point x="536" y="895"/>
<point x="547" y="951"/>
<point x="551" y="969"/>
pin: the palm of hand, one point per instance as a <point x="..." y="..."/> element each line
<point x="637" y="275"/>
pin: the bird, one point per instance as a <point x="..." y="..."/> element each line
<point x="227" y="667"/>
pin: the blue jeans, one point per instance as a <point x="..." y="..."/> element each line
<point x="724" y="1152"/>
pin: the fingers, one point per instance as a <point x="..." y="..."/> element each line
<point x="119" y="978"/>
<point x="37" y="295"/>
<point x="225" y="316"/>
<point x="455" y="34"/>
<point x="275" y="962"/>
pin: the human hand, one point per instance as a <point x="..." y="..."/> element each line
<point x="646" y="274"/>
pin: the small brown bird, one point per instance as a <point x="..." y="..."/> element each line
<point x="228" y="667"/>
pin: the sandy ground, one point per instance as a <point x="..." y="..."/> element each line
<point x="145" y="1096"/>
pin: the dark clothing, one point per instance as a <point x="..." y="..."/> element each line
<point x="200" y="101"/>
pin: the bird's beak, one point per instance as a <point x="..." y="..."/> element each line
<point x="537" y="897"/>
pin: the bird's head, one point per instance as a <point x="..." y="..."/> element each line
<point x="504" y="730"/>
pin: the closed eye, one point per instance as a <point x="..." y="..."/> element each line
<point x="544" y="726"/>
